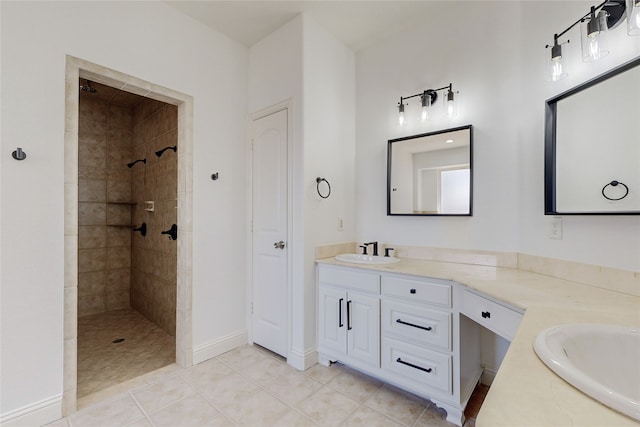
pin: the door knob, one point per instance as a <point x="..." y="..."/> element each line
<point x="279" y="245"/>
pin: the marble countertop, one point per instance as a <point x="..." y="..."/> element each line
<point x="525" y="392"/>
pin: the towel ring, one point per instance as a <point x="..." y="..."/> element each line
<point x="615" y="184"/>
<point x="318" y="181"/>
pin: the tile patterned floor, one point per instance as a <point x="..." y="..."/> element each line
<point x="102" y="363"/>
<point x="250" y="386"/>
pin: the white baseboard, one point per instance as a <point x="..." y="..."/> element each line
<point x="36" y="414"/>
<point x="303" y="361"/>
<point x="221" y="345"/>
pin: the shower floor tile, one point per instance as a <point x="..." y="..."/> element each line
<point x="103" y="363"/>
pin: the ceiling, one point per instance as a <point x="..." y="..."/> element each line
<point x="357" y="24"/>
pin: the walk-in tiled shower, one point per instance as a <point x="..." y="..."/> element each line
<point x="127" y="216"/>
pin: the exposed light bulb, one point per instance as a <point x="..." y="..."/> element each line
<point x="451" y="106"/>
<point x="450" y="109"/>
<point x="557" y="70"/>
<point x="401" y="112"/>
<point x="594" y="48"/>
<point x="593" y="34"/>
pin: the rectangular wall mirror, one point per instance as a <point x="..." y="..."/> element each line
<point x="592" y="146"/>
<point x="431" y="173"/>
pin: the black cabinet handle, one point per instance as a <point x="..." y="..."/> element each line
<point x="486" y="315"/>
<point x="412" y="291"/>
<point x="348" y="315"/>
<point x="427" y="370"/>
<point x="340" y="324"/>
<point x="426" y="328"/>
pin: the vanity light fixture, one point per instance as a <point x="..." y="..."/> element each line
<point x="594" y="26"/>
<point x="428" y="98"/>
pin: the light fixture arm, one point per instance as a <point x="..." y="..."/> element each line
<point x="433" y="93"/>
<point x="592" y="12"/>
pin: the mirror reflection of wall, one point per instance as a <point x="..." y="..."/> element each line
<point x="430" y="174"/>
<point x="593" y="133"/>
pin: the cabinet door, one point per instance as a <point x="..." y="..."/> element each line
<point x="332" y="321"/>
<point x="363" y="334"/>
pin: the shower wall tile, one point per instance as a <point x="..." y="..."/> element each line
<point x="92" y="173"/>
<point x="119" y="214"/>
<point x="117" y="300"/>
<point x="90" y="190"/>
<point x="91" y="304"/>
<point x="154" y="259"/>
<point x="92" y="236"/>
<point x="92" y="155"/>
<point x="92" y="283"/>
<point x="92" y="214"/>
<point x="95" y="133"/>
<point x="118" y="191"/>
<point x="92" y="112"/>
<point x="118" y="280"/>
<point x="92" y="260"/>
<point x="119" y="257"/>
<point x="118" y="158"/>
<point x="118" y="236"/>
<point x="119" y="117"/>
<point x="119" y="138"/>
<point x="104" y="258"/>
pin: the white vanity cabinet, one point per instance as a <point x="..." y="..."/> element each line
<point x="349" y="317"/>
<point x="404" y="330"/>
<point x="498" y="318"/>
<point x="416" y="326"/>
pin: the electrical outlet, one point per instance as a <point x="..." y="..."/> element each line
<point x="555" y="232"/>
<point x="340" y="224"/>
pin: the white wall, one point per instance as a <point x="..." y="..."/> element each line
<point x="150" y="41"/>
<point x="468" y="45"/>
<point x="303" y="63"/>
<point x="329" y="152"/>
<point x="493" y="53"/>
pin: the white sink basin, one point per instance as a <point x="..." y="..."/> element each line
<point x="602" y="361"/>
<point x="367" y="259"/>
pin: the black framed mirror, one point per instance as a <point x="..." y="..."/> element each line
<point x="592" y="146"/>
<point x="431" y="174"/>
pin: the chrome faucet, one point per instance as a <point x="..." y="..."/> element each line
<point x="375" y="247"/>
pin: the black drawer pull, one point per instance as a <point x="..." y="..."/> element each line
<point x="340" y="324"/>
<point x="349" y="316"/>
<point x="426" y="328"/>
<point x="427" y="370"/>
<point x="412" y="290"/>
<point x="486" y="315"/>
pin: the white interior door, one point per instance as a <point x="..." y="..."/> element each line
<point x="270" y="302"/>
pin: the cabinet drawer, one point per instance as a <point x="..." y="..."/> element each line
<point x="423" y="368"/>
<point x="420" y="291"/>
<point x="416" y="323"/>
<point x="493" y="316"/>
<point x="365" y="282"/>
